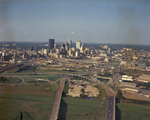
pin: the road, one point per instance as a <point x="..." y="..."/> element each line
<point x="110" y="110"/>
<point x="57" y="99"/>
<point x="115" y="78"/>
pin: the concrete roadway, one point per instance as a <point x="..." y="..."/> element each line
<point x="110" y="110"/>
<point x="57" y="99"/>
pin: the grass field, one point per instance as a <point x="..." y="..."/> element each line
<point x="12" y="80"/>
<point x="50" y="70"/>
<point x="51" y="78"/>
<point x="132" y="112"/>
<point x="103" y="93"/>
<point x="28" y="102"/>
<point x="83" y="109"/>
<point x="103" y="80"/>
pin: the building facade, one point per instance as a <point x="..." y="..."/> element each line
<point x="70" y="43"/>
<point x="51" y="44"/>
<point x="78" y="44"/>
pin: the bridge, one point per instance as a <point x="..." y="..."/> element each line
<point x="110" y="110"/>
<point x="57" y="99"/>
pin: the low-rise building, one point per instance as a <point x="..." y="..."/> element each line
<point x="128" y="84"/>
<point x="127" y="78"/>
<point x="143" y="78"/>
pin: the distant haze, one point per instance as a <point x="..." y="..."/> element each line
<point x="94" y="21"/>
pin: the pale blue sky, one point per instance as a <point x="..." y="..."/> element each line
<point x="88" y="21"/>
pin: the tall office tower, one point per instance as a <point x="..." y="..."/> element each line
<point x="66" y="46"/>
<point x="31" y="48"/>
<point x="36" y="50"/>
<point x="70" y="43"/>
<point x="51" y="44"/>
<point x="55" y="46"/>
<point x="81" y="48"/>
<point x="63" y="45"/>
<point x="78" y="44"/>
<point x="45" y="51"/>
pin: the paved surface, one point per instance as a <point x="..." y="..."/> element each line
<point x="110" y="110"/>
<point x="57" y="99"/>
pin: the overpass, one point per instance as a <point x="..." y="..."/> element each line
<point x="110" y="110"/>
<point x="57" y="99"/>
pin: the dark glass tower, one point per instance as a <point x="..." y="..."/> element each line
<point x="51" y="44"/>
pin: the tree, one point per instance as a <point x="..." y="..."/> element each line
<point x="83" y="90"/>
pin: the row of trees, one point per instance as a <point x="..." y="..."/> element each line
<point x="3" y="79"/>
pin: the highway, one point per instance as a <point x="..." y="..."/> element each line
<point x="57" y="99"/>
<point x="110" y="110"/>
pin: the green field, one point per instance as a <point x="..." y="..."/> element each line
<point x="83" y="109"/>
<point x="33" y="77"/>
<point x="10" y="80"/>
<point x="132" y="112"/>
<point x="103" y="80"/>
<point x="28" y="102"/>
<point x="50" y="70"/>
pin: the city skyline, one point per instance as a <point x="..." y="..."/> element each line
<point x="88" y="21"/>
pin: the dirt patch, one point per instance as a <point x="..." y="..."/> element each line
<point x="76" y="88"/>
<point x="135" y="96"/>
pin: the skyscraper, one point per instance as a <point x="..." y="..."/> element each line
<point x="51" y="44"/>
<point x="63" y="45"/>
<point x="70" y="43"/>
<point x="78" y="44"/>
<point x="66" y="46"/>
<point x="36" y="50"/>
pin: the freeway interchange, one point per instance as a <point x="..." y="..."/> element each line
<point x="57" y="99"/>
<point x="110" y="110"/>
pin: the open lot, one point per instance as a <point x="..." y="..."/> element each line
<point x="28" y="102"/>
<point x="132" y="112"/>
<point x="83" y="109"/>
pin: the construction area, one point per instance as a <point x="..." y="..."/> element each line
<point x="78" y="87"/>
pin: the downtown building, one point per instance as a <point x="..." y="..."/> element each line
<point x="78" y="44"/>
<point x="51" y="44"/>
<point x="70" y="43"/>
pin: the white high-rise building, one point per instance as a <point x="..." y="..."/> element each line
<point x="78" y="44"/>
<point x="77" y="53"/>
<point x="70" y="43"/>
<point x="81" y="49"/>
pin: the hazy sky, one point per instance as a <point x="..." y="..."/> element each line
<point x="99" y="21"/>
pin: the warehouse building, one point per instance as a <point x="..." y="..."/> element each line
<point x="143" y="78"/>
<point x="127" y="78"/>
<point x="128" y="84"/>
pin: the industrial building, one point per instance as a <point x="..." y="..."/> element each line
<point x="127" y="78"/>
<point x="132" y="90"/>
<point x="128" y="84"/>
<point x="143" y="78"/>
